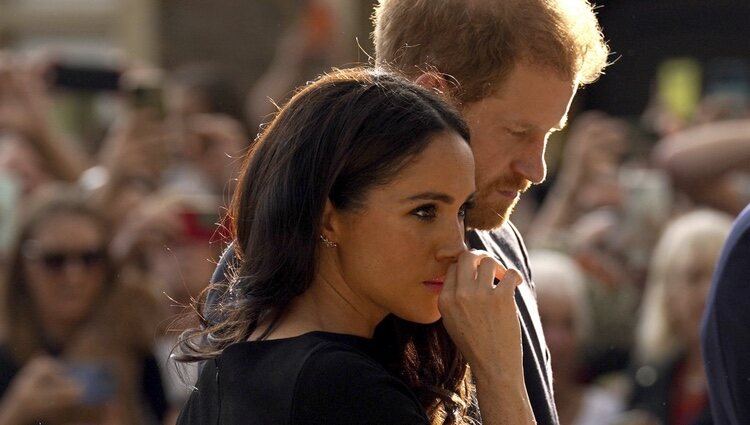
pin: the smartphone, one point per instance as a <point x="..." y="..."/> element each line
<point x="85" y="77"/>
<point x="10" y="195"/>
<point x="648" y="206"/>
<point x="97" y="379"/>
<point x="148" y="98"/>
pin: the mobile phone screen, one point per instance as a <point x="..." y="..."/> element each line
<point x="97" y="379"/>
<point x="10" y="193"/>
<point x="85" y="78"/>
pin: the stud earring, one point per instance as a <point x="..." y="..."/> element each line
<point x="327" y="242"/>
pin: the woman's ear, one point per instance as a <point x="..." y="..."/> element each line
<point x="329" y="222"/>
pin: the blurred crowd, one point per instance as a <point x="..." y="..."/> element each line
<point x="112" y="218"/>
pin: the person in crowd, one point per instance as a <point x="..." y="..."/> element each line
<point x="24" y="111"/>
<point x="512" y="69"/>
<point x="564" y="309"/>
<point x="75" y="342"/>
<point x="349" y="216"/>
<point x="308" y="46"/>
<point x="24" y="164"/>
<point x="670" y="380"/>
<point x="170" y="242"/>
<point x="710" y="163"/>
<point x="586" y="179"/>
<point x="201" y="88"/>
<point x="725" y="322"/>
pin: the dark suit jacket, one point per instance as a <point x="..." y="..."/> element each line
<point x="725" y="333"/>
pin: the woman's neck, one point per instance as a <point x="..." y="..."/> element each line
<point x="328" y="305"/>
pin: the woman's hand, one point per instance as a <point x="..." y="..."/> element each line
<point x="482" y="320"/>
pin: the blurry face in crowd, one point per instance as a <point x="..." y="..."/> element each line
<point x="509" y="132"/>
<point x="394" y="252"/>
<point x="64" y="265"/>
<point x="687" y="295"/>
<point x="559" y="323"/>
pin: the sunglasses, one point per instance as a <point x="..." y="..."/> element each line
<point x="56" y="261"/>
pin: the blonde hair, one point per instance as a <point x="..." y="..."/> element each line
<point x="558" y="275"/>
<point x="695" y="236"/>
<point x="478" y="43"/>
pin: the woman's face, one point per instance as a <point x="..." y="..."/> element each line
<point x="64" y="265"/>
<point x="394" y="252"/>
<point x="559" y="321"/>
<point x="689" y="292"/>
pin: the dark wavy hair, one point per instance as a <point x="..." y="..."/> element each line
<point x="337" y="138"/>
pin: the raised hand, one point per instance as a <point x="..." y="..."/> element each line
<point x="482" y="320"/>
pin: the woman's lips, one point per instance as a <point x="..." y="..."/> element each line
<point x="434" y="284"/>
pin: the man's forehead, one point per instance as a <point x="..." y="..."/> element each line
<point x="509" y="114"/>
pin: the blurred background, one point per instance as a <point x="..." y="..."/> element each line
<point x="122" y="123"/>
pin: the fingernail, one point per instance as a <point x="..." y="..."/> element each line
<point x="515" y="277"/>
<point x="500" y="273"/>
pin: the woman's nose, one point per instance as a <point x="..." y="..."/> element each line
<point x="452" y="243"/>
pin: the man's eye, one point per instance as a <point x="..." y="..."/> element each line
<point x="425" y="212"/>
<point x="465" y="208"/>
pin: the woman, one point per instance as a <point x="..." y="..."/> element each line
<point x="561" y="290"/>
<point x="75" y="344"/>
<point x="670" y="382"/>
<point x="349" y="225"/>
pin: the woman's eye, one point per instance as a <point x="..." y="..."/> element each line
<point x="425" y="212"/>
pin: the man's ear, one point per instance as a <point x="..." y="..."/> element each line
<point x="434" y="81"/>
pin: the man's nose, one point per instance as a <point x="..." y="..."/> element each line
<point x="530" y="164"/>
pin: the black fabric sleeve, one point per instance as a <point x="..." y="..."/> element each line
<point x="153" y="388"/>
<point x="725" y="339"/>
<point x="341" y="387"/>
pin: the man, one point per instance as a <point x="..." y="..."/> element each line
<point x="512" y="67"/>
<point x="724" y="339"/>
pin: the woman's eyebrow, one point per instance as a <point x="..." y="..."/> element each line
<point x="430" y="196"/>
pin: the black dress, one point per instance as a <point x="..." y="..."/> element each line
<point x="315" y="378"/>
<point x="506" y="245"/>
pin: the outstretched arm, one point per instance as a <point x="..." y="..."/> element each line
<point x="702" y="160"/>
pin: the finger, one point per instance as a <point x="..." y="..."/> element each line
<point x="500" y="271"/>
<point x="486" y="272"/>
<point x="450" y="283"/>
<point x="467" y="265"/>
<point x="509" y="281"/>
